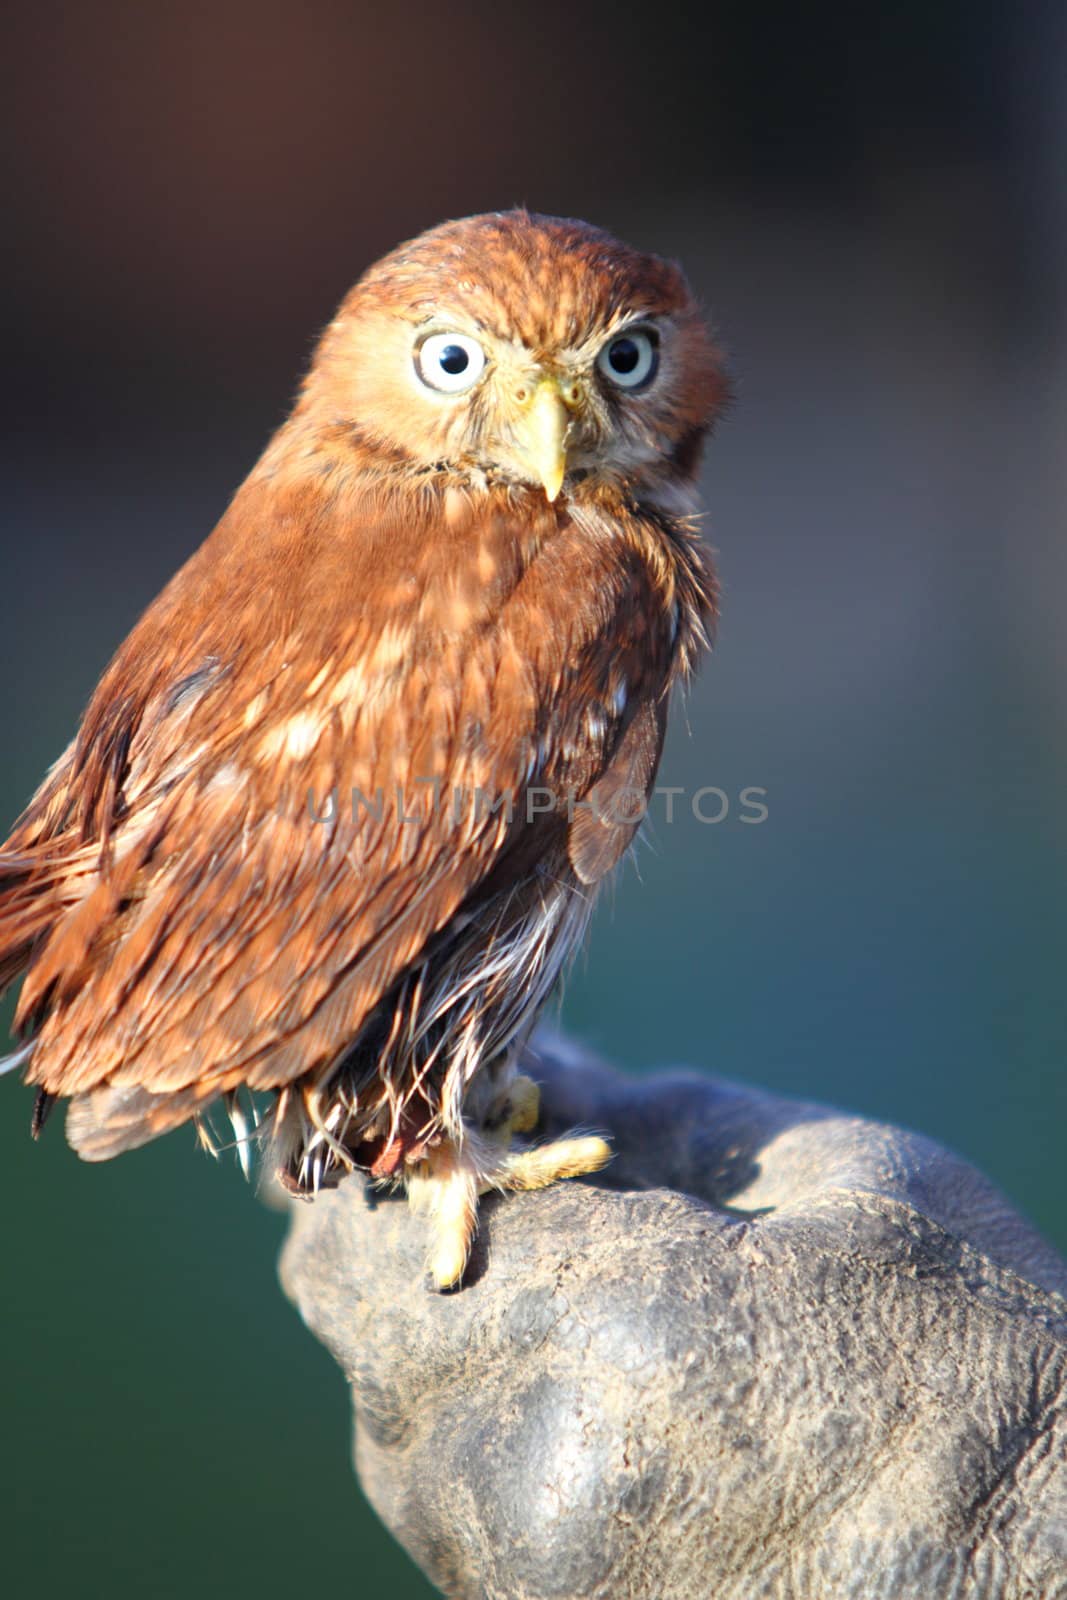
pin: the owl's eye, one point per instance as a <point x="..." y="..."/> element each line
<point x="630" y="358"/>
<point x="449" y="361"/>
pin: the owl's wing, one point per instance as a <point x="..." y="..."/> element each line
<point x="201" y="900"/>
<point x="612" y="811"/>
<point x="243" y="917"/>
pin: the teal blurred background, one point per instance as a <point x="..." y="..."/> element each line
<point x="873" y="210"/>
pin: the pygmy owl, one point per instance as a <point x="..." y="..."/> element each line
<point x="338" y="810"/>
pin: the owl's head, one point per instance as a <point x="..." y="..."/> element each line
<point x="522" y="349"/>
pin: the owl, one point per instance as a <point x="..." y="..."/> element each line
<point x="336" y="816"/>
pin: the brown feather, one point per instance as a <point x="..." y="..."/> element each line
<point x="387" y="604"/>
<point x="613" y="810"/>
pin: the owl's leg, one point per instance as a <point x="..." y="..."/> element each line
<point x="521" y="1108"/>
<point x="544" y="1164"/>
<point x="444" y="1187"/>
<point x="446" y="1184"/>
<point x="547" y="1163"/>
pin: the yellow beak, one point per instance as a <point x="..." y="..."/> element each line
<point x="541" y="432"/>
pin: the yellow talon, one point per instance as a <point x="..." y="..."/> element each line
<point x="547" y="1163"/>
<point x="445" y="1186"/>
<point x="525" y="1101"/>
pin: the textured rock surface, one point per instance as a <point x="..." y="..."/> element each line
<point x="773" y="1351"/>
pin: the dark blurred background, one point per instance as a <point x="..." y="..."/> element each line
<point x="870" y="201"/>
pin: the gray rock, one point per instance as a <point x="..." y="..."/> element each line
<point x="774" y="1351"/>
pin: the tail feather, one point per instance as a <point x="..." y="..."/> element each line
<point x="104" y="1122"/>
<point x="34" y="895"/>
<point x="43" y="1106"/>
<point x="17" y="1058"/>
<point x="44" y="868"/>
<point x="24" y="917"/>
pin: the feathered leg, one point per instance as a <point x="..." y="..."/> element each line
<point x="445" y="1186"/>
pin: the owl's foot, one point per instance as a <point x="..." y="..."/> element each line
<point x="545" y="1164"/>
<point x="536" y="1168"/>
<point x="446" y="1186"/>
<point x="523" y="1106"/>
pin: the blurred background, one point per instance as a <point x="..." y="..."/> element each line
<point x="870" y="201"/>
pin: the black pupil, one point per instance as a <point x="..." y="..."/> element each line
<point x="624" y="356"/>
<point x="454" y="360"/>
